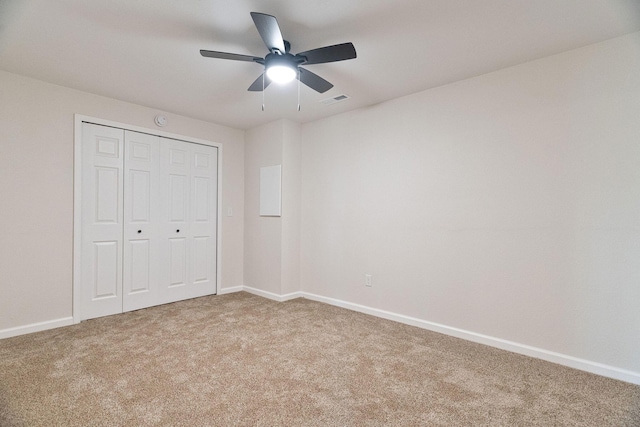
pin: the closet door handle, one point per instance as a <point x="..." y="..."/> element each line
<point x="177" y="231"/>
<point x="139" y="231"/>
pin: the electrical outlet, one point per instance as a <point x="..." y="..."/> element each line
<point x="367" y="280"/>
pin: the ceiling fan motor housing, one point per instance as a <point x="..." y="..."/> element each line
<point x="287" y="60"/>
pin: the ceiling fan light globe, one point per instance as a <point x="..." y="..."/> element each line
<point x="281" y="74"/>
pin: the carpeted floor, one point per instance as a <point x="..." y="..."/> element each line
<point x="241" y="360"/>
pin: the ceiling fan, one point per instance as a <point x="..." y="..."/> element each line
<point x="280" y="65"/>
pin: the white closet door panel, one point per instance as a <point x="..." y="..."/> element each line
<point x="139" y="276"/>
<point x="174" y="178"/>
<point x="140" y="187"/>
<point x="142" y="253"/>
<point x="189" y="175"/>
<point x="107" y="186"/>
<point x="178" y="197"/>
<point x="102" y="219"/>
<point x="178" y="154"/>
<point x="201" y="199"/>
<point x="105" y="262"/>
<point x="201" y="261"/>
<point x="203" y="218"/>
<point x="177" y="262"/>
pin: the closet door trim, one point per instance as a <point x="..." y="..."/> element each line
<point x="77" y="196"/>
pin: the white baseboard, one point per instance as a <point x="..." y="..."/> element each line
<point x="550" y="356"/>
<point x="35" y="327"/>
<point x="230" y="290"/>
<point x="271" y="295"/>
<point x="538" y="353"/>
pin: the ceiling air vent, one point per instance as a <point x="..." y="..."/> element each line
<point x="335" y="99"/>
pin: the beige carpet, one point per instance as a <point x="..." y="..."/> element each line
<point x="241" y="360"/>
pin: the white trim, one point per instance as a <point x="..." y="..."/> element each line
<point x="219" y="223"/>
<point x="77" y="195"/>
<point x="82" y="118"/>
<point x="549" y="356"/>
<point x="271" y="295"/>
<point x="230" y="290"/>
<point x="35" y="327"/>
<point x="77" y="217"/>
<point x="527" y="350"/>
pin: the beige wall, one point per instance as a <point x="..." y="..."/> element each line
<point x="262" y="235"/>
<point x="506" y="205"/>
<point x="36" y="192"/>
<point x="272" y="244"/>
<point x="291" y="187"/>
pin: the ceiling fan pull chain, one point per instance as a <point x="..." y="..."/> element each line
<point x="263" y="90"/>
<point x="298" y="90"/>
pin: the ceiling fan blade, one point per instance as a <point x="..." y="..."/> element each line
<point x="269" y="30"/>
<point x="225" y="55"/>
<point x="338" y="52"/>
<point x="314" y="81"/>
<point x="256" y="86"/>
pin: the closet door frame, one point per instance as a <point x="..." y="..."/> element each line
<point x="79" y="119"/>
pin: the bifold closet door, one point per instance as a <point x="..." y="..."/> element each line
<point x="102" y="221"/>
<point x="121" y="221"/>
<point x="142" y="221"/>
<point x="149" y="220"/>
<point x="189" y="179"/>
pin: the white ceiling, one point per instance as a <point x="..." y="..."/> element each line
<point x="147" y="51"/>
